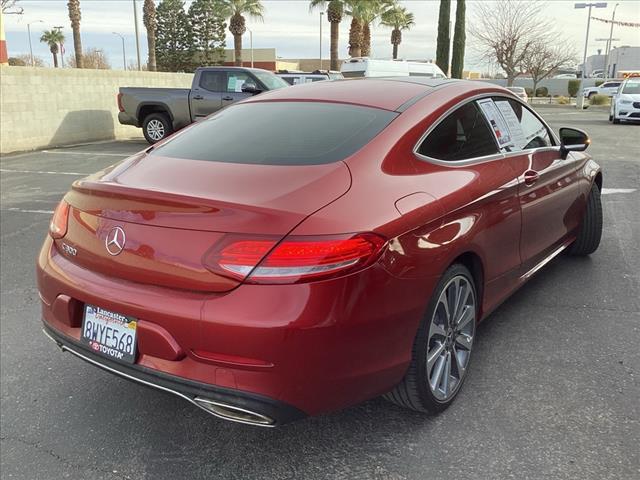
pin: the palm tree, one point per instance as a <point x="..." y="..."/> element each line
<point x="74" y="16"/>
<point x="53" y="38"/>
<point x="235" y="10"/>
<point x="356" y="10"/>
<point x="399" y="19"/>
<point x="150" y="23"/>
<point x="335" y="12"/>
<point x="373" y="9"/>
<point x="363" y="13"/>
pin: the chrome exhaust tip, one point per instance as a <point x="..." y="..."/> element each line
<point x="233" y="413"/>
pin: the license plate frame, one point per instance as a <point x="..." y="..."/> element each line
<point x="109" y="334"/>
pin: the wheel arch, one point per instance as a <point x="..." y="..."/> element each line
<point x="598" y="180"/>
<point x="147" y="108"/>
<point x="473" y="262"/>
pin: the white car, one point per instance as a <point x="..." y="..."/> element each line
<point x="566" y="75"/>
<point x="625" y="105"/>
<point x="607" y="88"/>
<point x="520" y="92"/>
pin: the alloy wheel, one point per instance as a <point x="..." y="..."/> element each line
<point x="155" y="130"/>
<point x="451" y="334"/>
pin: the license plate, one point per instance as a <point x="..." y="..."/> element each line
<point x="109" y="333"/>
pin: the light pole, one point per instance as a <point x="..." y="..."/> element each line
<point x="30" y="46"/>
<point x="61" y="48"/>
<point x="135" y="20"/>
<point x="580" y="99"/>
<point x="606" y="58"/>
<point x="124" y="53"/>
<point x="251" y="45"/>
<point x="321" y="15"/>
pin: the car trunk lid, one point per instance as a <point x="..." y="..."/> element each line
<point x="172" y="211"/>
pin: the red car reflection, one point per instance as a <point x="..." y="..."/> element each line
<point x="316" y="246"/>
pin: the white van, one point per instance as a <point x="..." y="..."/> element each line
<point x="368" y="67"/>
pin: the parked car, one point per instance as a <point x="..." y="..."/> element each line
<point x="162" y="111"/>
<point x="244" y="265"/>
<point x="293" y="77"/>
<point x="607" y="88"/>
<point x="369" y="67"/>
<point x="625" y="104"/>
<point x="520" y="92"/>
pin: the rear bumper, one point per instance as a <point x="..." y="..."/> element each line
<point x="233" y="405"/>
<point x="282" y="351"/>
<point x="125" y="119"/>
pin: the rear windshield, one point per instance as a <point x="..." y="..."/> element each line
<point x="279" y="133"/>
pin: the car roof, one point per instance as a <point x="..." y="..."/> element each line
<point x="388" y="93"/>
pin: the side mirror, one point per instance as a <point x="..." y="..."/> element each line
<point x="250" y="87"/>
<point x="573" y="140"/>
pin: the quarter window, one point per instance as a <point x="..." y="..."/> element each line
<point x="527" y="131"/>
<point x="462" y="135"/>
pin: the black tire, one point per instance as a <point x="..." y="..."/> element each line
<point x="590" y="232"/>
<point x="413" y="391"/>
<point x="156" y="127"/>
<point x="616" y="121"/>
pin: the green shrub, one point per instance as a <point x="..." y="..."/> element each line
<point x="542" y="92"/>
<point x="563" y="100"/>
<point x="599" y="99"/>
<point x="529" y="91"/>
<point x="573" y="86"/>
<point x="599" y="82"/>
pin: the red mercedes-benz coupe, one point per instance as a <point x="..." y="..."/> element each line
<point x="316" y="246"/>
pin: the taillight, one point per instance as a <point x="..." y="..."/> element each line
<point x="119" y="100"/>
<point x="58" y="225"/>
<point x="294" y="259"/>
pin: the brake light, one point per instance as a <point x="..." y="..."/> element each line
<point x="295" y="259"/>
<point x="58" y="225"/>
<point x="119" y="101"/>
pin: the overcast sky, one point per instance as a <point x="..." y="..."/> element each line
<point x="294" y="31"/>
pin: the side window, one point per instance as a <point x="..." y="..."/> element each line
<point x="213" y="81"/>
<point x="526" y="130"/>
<point x="464" y="134"/>
<point x="235" y="80"/>
<point x="289" y="80"/>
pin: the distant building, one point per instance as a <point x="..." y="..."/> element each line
<point x="623" y="59"/>
<point x="594" y="62"/>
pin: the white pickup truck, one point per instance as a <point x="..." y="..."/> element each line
<point x="607" y="88"/>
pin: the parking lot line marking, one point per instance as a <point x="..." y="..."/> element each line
<point x="64" y="152"/>
<point x="23" y="210"/>
<point x="607" y="191"/>
<point x="44" y="172"/>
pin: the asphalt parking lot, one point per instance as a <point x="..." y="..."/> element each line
<point x="553" y="392"/>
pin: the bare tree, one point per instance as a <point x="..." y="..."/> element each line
<point x="545" y="57"/>
<point x="506" y="31"/>
<point x="92" y="58"/>
<point x="9" y="7"/>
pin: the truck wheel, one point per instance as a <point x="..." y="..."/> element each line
<point x="590" y="232"/>
<point x="156" y="126"/>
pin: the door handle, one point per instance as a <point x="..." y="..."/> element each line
<point x="227" y="98"/>
<point x="531" y="177"/>
<point x="198" y="97"/>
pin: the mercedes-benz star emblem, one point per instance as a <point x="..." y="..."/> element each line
<point x="115" y="241"/>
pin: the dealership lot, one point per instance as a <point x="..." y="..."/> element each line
<point x="552" y="393"/>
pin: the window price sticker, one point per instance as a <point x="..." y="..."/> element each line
<point x="497" y="122"/>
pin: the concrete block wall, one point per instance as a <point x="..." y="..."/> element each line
<point x="556" y="86"/>
<point x="47" y="107"/>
